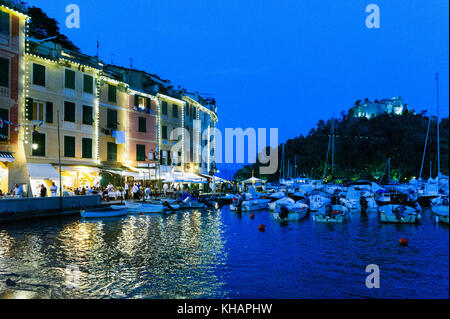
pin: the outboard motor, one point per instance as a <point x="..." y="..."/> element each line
<point x="284" y="212"/>
<point x="398" y="212"/>
<point x="240" y="202"/>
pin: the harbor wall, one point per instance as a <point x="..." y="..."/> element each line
<point x="32" y="208"/>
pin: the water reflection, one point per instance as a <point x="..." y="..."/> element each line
<point x="150" y="256"/>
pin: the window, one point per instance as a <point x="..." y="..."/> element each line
<point x="86" y="148"/>
<point x="4" y="23"/>
<point x="164" y="132"/>
<point x="88" y="118"/>
<point x="194" y="112"/>
<point x="69" y="79"/>
<point x="112" y="119"/>
<point x="140" y="153"/>
<point x="4" y="130"/>
<point x="38" y="74"/>
<point x="69" y="112"/>
<point x="49" y="112"/>
<point x="187" y="109"/>
<point x="69" y="146"/>
<point x="164" y="108"/>
<point x="112" y="152"/>
<point x="39" y="141"/>
<point x="112" y="93"/>
<point x="4" y="72"/>
<point x="148" y="104"/>
<point x="175" y="110"/>
<point x="142" y="125"/>
<point x="38" y="111"/>
<point x="88" y="84"/>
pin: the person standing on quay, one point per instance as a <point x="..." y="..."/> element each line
<point x="18" y="191"/>
<point x="135" y="192"/>
<point x="54" y="190"/>
<point x="43" y="191"/>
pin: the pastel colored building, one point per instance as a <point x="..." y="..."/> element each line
<point x="12" y="48"/>
<point x="61" y="93"/>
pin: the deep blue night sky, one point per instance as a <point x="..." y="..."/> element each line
<point x="284" y="64"/>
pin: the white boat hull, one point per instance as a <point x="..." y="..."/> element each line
<point x="442" y="213"/>
<point x="387" y="216"/>
<point x="340" y="214"/>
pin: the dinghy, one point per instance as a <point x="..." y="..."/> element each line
<point x="292" y="212"/>
<point x="332" y="214"/>
<point x="275" y="206"/>
<point x="398" y="214"/>
<point x="113" y="211"/>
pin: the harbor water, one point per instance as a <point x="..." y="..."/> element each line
<point x="219" y="254"/>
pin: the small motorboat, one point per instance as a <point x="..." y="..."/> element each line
<point x="113" y="211"/>
<point x="318" y="201"/>
<point x="442" y="213"/>
<point x="332" y="214"/>
<point x="292" y="212"/>
<point x="398" y="214"/>
<point x="145" y="208"/>
<point x="275" y="206"/>
<point x="255" y="204"/>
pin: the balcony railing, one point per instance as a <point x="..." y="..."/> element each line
<point x="4" y="91"/>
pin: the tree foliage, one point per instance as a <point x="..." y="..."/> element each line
<point x="41" y="24"/>
<point x="363" y="146"/>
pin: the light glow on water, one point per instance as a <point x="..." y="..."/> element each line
<point x="219" y="254"/>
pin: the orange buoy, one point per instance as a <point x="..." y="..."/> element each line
<point x="262" y="228"/>
<point x="403" y="242"/>
<point x="252" y="216"/>
<point x="140" y="214"/>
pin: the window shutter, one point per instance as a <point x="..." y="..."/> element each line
<point x="4" y="23"/>
<point x="148" y="103"/>
<point x="69" y="146"/>
<point x="4" y="72"/>
<point x="69" y="112"/>
<point x="87" y="148"/>
<point x="112" y="93"/>
<point x="140" y="153"/>
<point x="29" y="109"/>
<point x="88" y="84"/>
<point x="142" y="125"/>
<point x="112" y="119"/>
<point x="175" y="110"/>
<point x="49" y="112"/>
<point x="136" y="100"/>
<point x="38" y="74"/>
<point x="70" y="79"/>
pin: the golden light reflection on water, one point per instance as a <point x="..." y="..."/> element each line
<point x="151" y="256"/>
<point x="6" y="244"/>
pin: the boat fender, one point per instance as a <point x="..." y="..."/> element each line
<point x="262" y="228"/>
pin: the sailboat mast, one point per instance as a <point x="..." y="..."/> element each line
<point x="425" y="149"/>
<point x="332" y="156"/>
<point x="438" y="142"/>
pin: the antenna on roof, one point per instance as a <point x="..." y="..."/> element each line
<point x="131" y="63"/>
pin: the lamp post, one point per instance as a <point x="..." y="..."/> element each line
<point x="59" y="163"/>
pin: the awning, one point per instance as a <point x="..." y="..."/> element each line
<point x="186" y="178"/>
<point x="42" y="171"/>
<point x="6" y="157"/>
